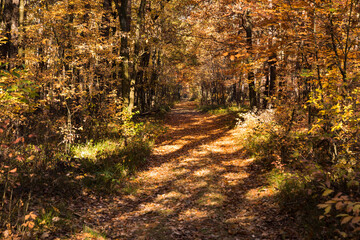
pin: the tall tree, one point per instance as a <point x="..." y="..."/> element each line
<point x="10" y="21"/>
<point x="124" y="13"/>
<point x="247" y="25"/>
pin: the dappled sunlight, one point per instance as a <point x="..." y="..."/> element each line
<point x="186" y="162"/>
<point x="180" y="171"/>
<point x="170" y="197"/>
<point x="234" y="178"/>
<point x="235" y="162"/>
<point x="193" y="214"/>
<point x="151" y="207"/>
<point x="218" y="168"/>
<point x="160" y="209"/>
<point x="202" y="172"/>
<point x="211" y="199"/>
<point x="190" y="184"/>
<point x="197" y="185"/>
<point x="168" y="149"/>
<point x="258" y="193"/>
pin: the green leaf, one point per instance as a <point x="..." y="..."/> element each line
<point x="13" y="88"/>
<point x="16" y="74"/>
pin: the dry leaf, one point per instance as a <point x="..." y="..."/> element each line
<point x="346" y="219"/>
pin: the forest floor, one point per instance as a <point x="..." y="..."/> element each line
<point x="198" y="184"/>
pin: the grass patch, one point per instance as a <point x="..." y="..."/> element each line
<point x="103" y="166"/>
<point x="130" y="189"/>
<point x="90" y="233"/>
<point x="222" y="109"/>
<point x="231" y="113"/>
<point x="95" y="151"/>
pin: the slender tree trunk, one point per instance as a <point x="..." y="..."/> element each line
<point x="270" y="79"/>
<point x="10" y="18"/>
<point x="124" y="12"/>
<point x="251" y="75"/>
<point x="140" y="62"/>
<point x="272" y="66"/>
<point x="21" y="24"/>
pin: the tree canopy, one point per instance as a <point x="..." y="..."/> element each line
<point x="72" y="71"/>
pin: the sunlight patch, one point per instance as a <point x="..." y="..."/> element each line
<point x="189" y="185"/>
<point x="188" y="162"/>
<point x="157" y="175"/>
<point x="202" y="172"/>
<point x="211" y="199"/>
<point x="218" y="168"/>
<point x="234" y="178"/>
<point x="154" y="207"/>
<point x="171" y="196"/>
<point x="167" y="149"/>
<point x="180" y="171"/>
<point x="258" y="193"/>
<point x="193" y="214"/>
<point x="214" y="148"/>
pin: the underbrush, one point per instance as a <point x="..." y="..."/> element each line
<point x="103" y="166"/>
<point x="41" y="180"/>
<point x="313" y="184"/>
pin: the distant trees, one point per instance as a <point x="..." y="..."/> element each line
<point x="81" y="55"/>
<point x="69" y="69"/>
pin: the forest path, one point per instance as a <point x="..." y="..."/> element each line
<point x="198" y="185"/>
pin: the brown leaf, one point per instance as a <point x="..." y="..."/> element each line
<point x="18" y="140"/>
<point x="31" y="225"/>
<point x="33" y="215"/>
<point x="346" y="220"/>
<point x="339" y="205"/>
<point x="355" y="220"/>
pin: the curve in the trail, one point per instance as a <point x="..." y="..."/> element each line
<point x="198" y="185"/>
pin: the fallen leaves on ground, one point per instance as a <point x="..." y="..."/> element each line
<point x="197" y="185"/>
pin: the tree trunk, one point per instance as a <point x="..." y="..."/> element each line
<point x="140" y="62"/>
<point x="270" y="79"/>
<point x="124" y="13"/>
<point x="251" y="76"/>
<point x="10" y="19"/>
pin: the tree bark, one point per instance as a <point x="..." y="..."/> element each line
<point x="10" y="18"/>
<point x="251" y="75"/>
<point x="270" y="79"/>
<point x="124" y="12"/>
<point x="142" y="58"/>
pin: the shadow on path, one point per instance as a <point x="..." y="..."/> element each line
<point x="198" y="185"/>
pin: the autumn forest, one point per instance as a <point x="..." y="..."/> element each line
<point x="179" y="119"/>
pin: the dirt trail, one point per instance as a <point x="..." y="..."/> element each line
<point x="199" y="185"/>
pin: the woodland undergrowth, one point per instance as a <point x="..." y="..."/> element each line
<point x="313" y="171"/>
<point x="48" y="160"/>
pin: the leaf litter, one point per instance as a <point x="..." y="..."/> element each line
<point x="197" y="185"/>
